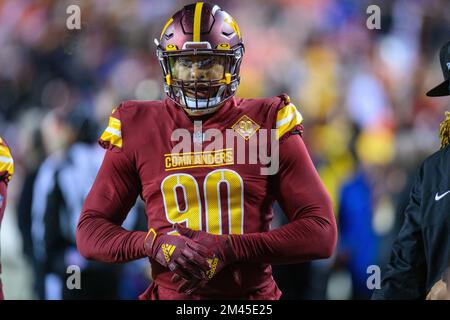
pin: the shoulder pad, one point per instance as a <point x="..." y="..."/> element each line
<point x="112" y="136"/>
<point x="285" y="98"/>
<point x="125" y="121"/>
<point x="288" y="117"/>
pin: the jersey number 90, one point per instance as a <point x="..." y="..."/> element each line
<point x="191" y="211"/>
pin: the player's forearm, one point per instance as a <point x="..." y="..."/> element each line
<point x="312" y="232"/>
<point x="100" y="239"/>
<point x="311" y="237"/>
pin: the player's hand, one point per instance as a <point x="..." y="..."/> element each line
<point x="185" y="257"/>
<point x="439" y="292"/>
<point x="220" y="255"/>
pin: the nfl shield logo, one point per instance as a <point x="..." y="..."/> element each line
<point x="198" y="137"/>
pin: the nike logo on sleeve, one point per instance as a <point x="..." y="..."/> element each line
<point x="439" y="197"/>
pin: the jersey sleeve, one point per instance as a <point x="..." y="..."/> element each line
<point x="6" y="162"/>
<point x="111" y="138"/>
<point x="311" y="232"/>
<point x="100" y="234"/>
<point x="288" y="119"/>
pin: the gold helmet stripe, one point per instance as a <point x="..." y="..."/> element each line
<point x="197" y="21"/>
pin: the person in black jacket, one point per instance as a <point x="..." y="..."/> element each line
<point x="421" y="253"/>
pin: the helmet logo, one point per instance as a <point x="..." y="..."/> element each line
<point x="165" y="27"/>
<point x="233" y="25"/>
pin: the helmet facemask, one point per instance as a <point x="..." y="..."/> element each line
<point x="199" y="78"/>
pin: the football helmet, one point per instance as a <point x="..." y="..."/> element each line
<point x="200" y="51"/>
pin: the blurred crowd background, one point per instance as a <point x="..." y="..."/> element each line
<point x="368" y="123"/>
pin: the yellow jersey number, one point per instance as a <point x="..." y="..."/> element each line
<point x="191" y="213"/>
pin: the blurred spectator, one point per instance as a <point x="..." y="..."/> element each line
<point x="62" y="183"/>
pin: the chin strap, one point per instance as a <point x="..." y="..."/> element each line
<point x="444" y="130"/>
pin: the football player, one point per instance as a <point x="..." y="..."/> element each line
<point x="6" y="172"/>
<point x="208" y="211"/>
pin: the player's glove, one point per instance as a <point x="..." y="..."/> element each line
<point x="183" y="256"/>
<point x="220" y="255"/>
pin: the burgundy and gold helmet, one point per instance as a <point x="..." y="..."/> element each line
<point x="208" y="36"/>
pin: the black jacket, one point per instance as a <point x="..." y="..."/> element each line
<point x="421" y="252"/>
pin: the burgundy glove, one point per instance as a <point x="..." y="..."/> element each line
<point x="220" y="255"/>
<point x="183" y="256"/>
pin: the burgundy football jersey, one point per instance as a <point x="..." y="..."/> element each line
<point x="208" y="175"/>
